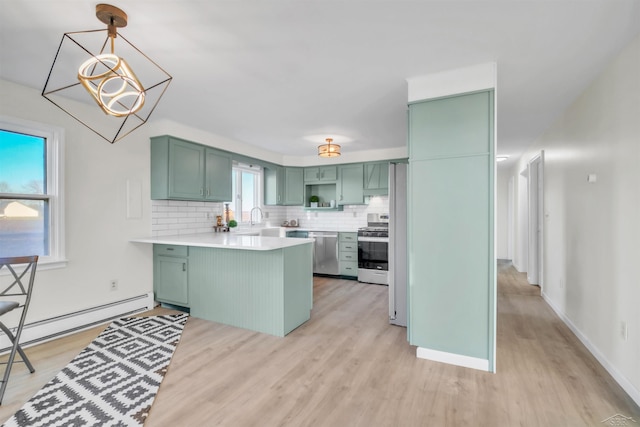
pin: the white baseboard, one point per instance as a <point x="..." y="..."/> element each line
<point x="453" y="359"/>
<point x="49" y="329"/>
<point x="633" y="392"/>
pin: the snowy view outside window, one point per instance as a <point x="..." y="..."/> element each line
<point x="24" y="203"/>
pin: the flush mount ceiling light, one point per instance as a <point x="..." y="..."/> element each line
<point x="329" y="149"/>
<point x="88" y="66"/>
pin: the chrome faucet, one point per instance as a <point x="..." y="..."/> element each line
<point x="251" y="214"/>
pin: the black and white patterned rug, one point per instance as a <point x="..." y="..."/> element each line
<point x="113" y="381"/>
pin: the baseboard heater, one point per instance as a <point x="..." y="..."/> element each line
<point x="59" y="326"/>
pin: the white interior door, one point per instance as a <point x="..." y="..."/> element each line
<point x="535" y="182"/>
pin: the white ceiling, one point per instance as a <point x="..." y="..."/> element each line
<point x="270" y="73"/>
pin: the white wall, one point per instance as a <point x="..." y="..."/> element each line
<point x="97" y="230"/>
<point x="592" y="232"/>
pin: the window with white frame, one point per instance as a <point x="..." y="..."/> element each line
<point x="247" y="191"/>
<point x="31" y="203"/>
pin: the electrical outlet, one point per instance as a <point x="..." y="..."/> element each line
<point x="623" y="330"/>
<point x="113" y="285"/>
<point x="266" y="215"/>
<point x="561" y="283"/>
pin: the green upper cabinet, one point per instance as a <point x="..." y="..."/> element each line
<point x="183" y="170"/>
<point x="469" y="135"/>
<point x="283" y="186"/>
<point x="218" y="173"/>
<point x="320" y="174"/>
<point x="186" y="170"/>
<point x="273" y="185"/>
<point x="376" y="178"/>
<point x="350" y="185"/>
<point x="293" y="186"/>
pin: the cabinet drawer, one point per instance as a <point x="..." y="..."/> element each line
<point x="349" y="237"/>
<point x="349" y="256"/>
<point x="171" y="250"/>
<point x="348" y="247"/>
<point x="349" y="268"/>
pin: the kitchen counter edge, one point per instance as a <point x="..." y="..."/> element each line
<point x="226" y="241"/>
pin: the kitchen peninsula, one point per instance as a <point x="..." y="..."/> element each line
<point x="259" y="283"/>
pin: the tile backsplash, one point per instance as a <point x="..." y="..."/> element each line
<point x="171" y="217"/>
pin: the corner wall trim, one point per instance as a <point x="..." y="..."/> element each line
<point x="59" y="326"/>
<point x="633" y="392"/>
<point x="453" y="359"/>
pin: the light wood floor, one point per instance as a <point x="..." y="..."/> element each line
<point x="348" y="367"/>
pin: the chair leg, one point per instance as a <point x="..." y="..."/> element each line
<point x="15" y="348"/>
<point x="24" y="357"/>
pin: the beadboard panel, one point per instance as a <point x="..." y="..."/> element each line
<point x="298" y="286"/>
<point x="250" y="289"/>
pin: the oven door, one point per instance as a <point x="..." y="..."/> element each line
<point x="373" y="253"/>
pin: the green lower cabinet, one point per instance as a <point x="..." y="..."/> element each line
<point x="171" y="276"/>
<point x="348" y="254"/>
<point x="269" y="291"/>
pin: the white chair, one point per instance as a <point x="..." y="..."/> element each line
<point x="22" y="274"/>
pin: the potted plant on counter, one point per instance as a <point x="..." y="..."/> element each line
<point x="313" y="201"/>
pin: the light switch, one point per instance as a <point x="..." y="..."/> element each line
<point x="591" y="178"/>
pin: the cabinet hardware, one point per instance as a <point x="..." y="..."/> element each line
<point x="202" y="192"/>
<point x="184" y="266"/>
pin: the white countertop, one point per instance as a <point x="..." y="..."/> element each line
<point x="226" y="241"/>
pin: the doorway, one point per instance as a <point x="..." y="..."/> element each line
<point x="535" y="196"/>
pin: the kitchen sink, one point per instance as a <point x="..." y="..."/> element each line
<point x="264" y="231"/>
<point x="272" y="232"/>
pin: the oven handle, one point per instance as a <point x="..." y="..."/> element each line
<point x="373" y="239"/>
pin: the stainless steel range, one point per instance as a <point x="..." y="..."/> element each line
<point x="373" y="250"/>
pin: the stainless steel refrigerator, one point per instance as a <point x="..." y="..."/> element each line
<point x="398" y="274"/>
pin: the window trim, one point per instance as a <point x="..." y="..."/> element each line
<point x="237" y="169"/>
<point x="55" y="137"/>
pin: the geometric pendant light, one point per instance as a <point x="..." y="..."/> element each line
<point x="90" y="66"/>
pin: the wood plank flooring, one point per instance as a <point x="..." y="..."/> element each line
<point x="348" y="367"/>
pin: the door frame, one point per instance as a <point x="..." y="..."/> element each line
<point x="511" y="228"/>
<point x="535" y="198"/>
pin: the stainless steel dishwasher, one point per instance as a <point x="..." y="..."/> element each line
<point x="325" y="253"/>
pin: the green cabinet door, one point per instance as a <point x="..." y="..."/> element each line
<point x="217" y="176"/>
<point x="170" y="280"/>
<point x="186" y="170"/>
<point x="283" y="186"/>
<point x="273" y="185"/>
<point x="376" y="178"/>
<point x="351" y="184"/>
<point x="320" y="174"/>
<point x="293" y="187"/>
